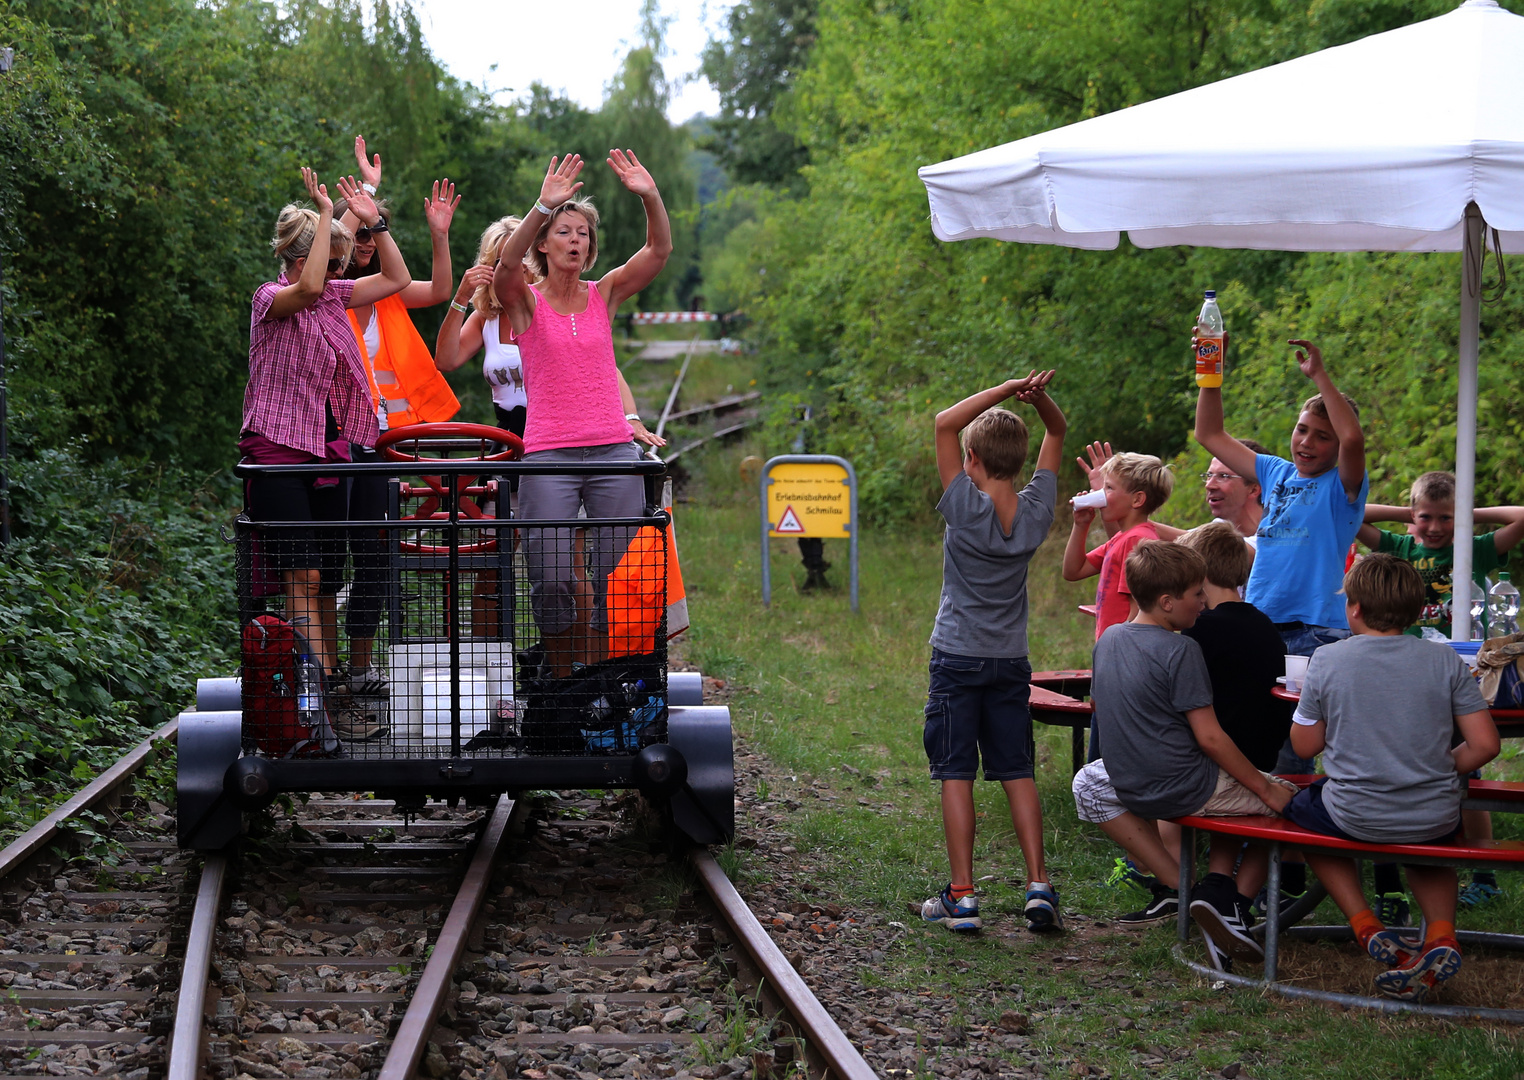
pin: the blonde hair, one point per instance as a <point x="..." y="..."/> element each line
<point x="1226" y="557"/>
<point x="1000" y="439"/>
<point x="494" y="236"/>
<point x="296" y="229"/>
<point x="1433" y="487"/>
<point x="1388" y="589"/>
<point x="1145" y="473"/>
<point x="1318" y="407"/>
<point x="585" y="207"/>
<point x="1158" y="568"/>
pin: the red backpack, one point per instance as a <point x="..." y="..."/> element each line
<point x="270" y="719"/>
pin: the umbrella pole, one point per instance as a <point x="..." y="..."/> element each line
<point x="1465" y="422"/>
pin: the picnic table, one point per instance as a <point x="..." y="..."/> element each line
<point x="1510" y="722"/>
<point x="1058" y="699"/>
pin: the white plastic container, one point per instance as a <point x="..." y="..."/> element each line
<point x="420" y="677"/>
<point x="1091" y="500"/>
<point x="1296" y="672"/>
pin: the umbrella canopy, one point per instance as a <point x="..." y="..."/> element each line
<point x="1378" y="145"/>
<point x="1402" y="141"/>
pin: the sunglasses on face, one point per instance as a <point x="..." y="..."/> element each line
<point x="363" y="235"/>
<point x="335" y="265"/>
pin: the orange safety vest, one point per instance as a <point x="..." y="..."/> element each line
<point x="648" y="571"/>
<point x="403" y="378"/>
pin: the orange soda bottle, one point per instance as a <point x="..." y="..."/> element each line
<point x="1209" y="337"/>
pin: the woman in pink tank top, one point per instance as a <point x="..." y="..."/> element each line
<point x="579" y="408"/>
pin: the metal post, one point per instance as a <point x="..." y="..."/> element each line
<point x="6" y="56"/>
<point x="851" y="482"/>
<point x="767" y="568"/>
<point x="1465" y="422"/>
<point x="1273" y="913"/>
<point x="1187" y="871"/>
<point x="452" y="617"/>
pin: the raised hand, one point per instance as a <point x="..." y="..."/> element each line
<point x="472" y="280"/>
<point x="632" y="174"/>
<point x="1034" y="385"/>
<point x="439" y="208"/>
<point x="359" y="200"/>
<point x="316" y="191"/>
<point x="370" y="171"/>
<point x="1311" y="361"/>
<point x="1099" y="453"/>
<point x="561" y="181"/>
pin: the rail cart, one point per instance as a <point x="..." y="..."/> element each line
<point x="457" y="594"/>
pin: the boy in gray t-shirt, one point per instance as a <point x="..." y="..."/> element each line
<point x="1383" y="708"/>
<point x="977" y="706"/>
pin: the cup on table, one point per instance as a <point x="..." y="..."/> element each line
<point x="1296" y="672"/>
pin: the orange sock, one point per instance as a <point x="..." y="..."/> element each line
<point x="1365" y="925"/>
<point x="1440" y="932"/>
<point x="960" y="891"/>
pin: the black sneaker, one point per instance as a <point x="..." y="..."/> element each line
<point x="1164" y="905"/>
<point x="1226" y="932"/>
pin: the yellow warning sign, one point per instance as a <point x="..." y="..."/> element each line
<point x="808" y="499"/>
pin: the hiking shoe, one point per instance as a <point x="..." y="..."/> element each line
<point x="1164" y="905"/>
<point x="354" y="725"/>
<point x="1042" y="911"/>
<point x="1478" y="893"/>
<point x="367" y="681"/>
<point x="961" y="915"/>
<point x="1391" y="909"/>
<point x="1391" y="948"/>
<point x="1124" y="872"/>
<point x="1417" y="980"/>
<point x="1226" y="931"/>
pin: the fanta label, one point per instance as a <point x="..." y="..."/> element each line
<point x="1208" y="356"/>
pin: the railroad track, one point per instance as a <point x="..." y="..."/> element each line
<point x="559" y="936"/>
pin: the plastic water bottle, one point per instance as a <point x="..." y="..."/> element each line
<point x="1503" y="607"/>
<point x="1478" y="613"/>
<point x="310" y="686"/>
<point x="1209" y="338"/>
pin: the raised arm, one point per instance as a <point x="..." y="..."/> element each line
<point x="508" y="282"/>
<point x="951" y="421"/>
<point x="1214" y="742"/>
<point x="1341" y="418"/>
<point x="1076" y="566"/>
<point x="393" y="277"/>
<point x="438" y="210"/>
<point x="309" y="284"/>
<point x="1051" y="454"/>
<point x="460" y="336"/>
<point x="1212" y="435"/>
<point x="1513" y="525"/>
<point x="623" y="282"/>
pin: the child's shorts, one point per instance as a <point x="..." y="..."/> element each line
<point x="1096" y="801"/>
<point x="977" y="707"/>
<point x="1308" y="811"/>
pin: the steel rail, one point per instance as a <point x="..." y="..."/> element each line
<point x="412" y="1038"/>
<point x="721" y="434"/>
<point x="823" y="1034"/>
<point x="102" y="787"/>
<point x="724" y="403"/>
<point x="196" y="973"/>
<point x="661" y="425"/>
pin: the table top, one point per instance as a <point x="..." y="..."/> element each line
<point x="1512" y="719"/>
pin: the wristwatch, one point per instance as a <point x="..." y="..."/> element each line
<point x="379" y="226"/>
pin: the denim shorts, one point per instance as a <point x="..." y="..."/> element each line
<point x="1304" y="640"/>
<point x="1307" y="810"/>
<point x="977" y="708"/>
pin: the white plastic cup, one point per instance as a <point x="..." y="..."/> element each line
<point x="1296" y="672"/>
<point x="1091" y="500"/>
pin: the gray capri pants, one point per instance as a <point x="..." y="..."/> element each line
<point x="549" y="552"/>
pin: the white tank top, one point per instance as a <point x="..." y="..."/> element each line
<point x="502" y="369"/>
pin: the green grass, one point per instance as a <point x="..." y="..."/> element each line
<point x="822" y="692"/>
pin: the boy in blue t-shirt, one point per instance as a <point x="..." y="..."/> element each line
<point x="1314" y="506"/>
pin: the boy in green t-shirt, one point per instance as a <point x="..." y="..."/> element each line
<point x="1430" y="547"/>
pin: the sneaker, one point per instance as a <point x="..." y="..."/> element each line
<point x="1226" y="931"/>
<point x="1165" y="905"/>
<point x="1478" y="893"/>
<point x="1391" y="909"/>
<point x="1391" y="948"/>
<point x="1417" y="980"/>
<point x="1262" y="901"/>
<point x="367" y="681"/>
<point x="1042" y="911"/>
<point x="354" y="725"/>
<point x="961" y="915"/>
<point x="1123" y="872"/>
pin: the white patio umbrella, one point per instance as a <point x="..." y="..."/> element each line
<point x="1411" y="140"/>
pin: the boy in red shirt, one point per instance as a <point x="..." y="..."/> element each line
<point x="1136" y="485"/>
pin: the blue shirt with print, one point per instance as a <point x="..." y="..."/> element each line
<point x="1308" y="526"/>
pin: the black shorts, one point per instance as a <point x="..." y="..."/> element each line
<point x="301" y="499"/>
<point x="1307" y="810"/>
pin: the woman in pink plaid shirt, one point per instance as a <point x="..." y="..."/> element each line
<point x="308" y="396"/>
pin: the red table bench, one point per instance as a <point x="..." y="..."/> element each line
<point x="1056" y="700"/>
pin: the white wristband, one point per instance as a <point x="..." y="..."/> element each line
<point x="370" y="189"/>
<point x="542" y="208"/>
<point x="633" y="417"/>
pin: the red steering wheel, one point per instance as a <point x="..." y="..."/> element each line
<point x="417" y="434"/>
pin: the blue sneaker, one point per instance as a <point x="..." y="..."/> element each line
<point x="961" y="915"/>
<point x="1123" y="872"/>
<point x="1392" y="948"/>
<point x="1478" y="893"/>
<point x="1419" y="979"/>
<point x="1042" y="911"/>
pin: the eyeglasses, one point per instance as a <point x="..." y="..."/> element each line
<point x="1222" y="476"/>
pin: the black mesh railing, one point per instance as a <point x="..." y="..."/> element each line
<point x="449" y="627"/>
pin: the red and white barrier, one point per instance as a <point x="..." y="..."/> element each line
<point x="649" y="318"/>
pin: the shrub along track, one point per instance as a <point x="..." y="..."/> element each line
<point x="575" y="946"/>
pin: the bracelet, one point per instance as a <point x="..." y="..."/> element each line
<point x="370" y="189"/>
<point x="460" y="307"/>
<point x="542" y="208"/>
<point x="634" y="417"/>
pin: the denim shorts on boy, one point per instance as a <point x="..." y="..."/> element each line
<point x="977" y="707"/>
<point x="1096" y="801"/>
<point x="1307" y="810"/>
